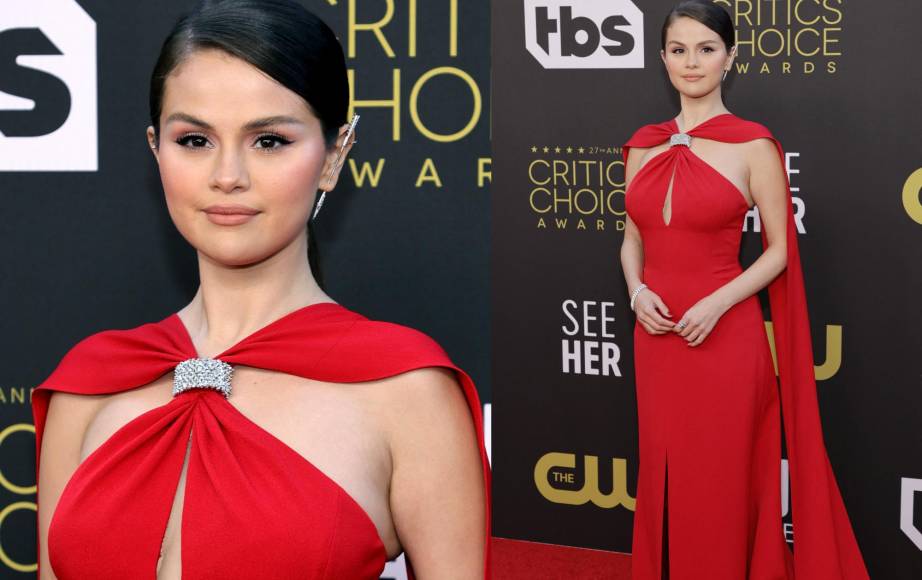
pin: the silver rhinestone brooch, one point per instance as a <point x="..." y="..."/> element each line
<point x="202" y="373"/>
<point x="680" y="139"/>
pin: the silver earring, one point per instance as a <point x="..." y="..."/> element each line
<point x="726" y="70"/>
<point x="336" y="165"/>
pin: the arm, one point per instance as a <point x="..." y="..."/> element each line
<point x="650" y="309"/>
<point x="437" y="497"/>
<point x="769" y="190"/>
<point x="65" y="424"/>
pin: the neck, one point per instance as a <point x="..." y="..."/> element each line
<point x="696" y="110"/>
<point x="232" y="302"/>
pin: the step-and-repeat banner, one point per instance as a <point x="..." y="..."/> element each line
<point x="86" y="243"/>
<point x="838" y="84"/>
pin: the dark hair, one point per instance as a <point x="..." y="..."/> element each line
<point x="706" y="12"/>
<point x="280" y="38"/>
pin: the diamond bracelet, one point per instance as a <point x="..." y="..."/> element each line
<point x="635" y="293"/>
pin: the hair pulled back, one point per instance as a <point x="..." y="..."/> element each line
<point x="706" y="12"/>
<point x="282" y="39"/>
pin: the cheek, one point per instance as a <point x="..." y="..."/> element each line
<point x="674" y="63"/>
<point x="715" y="62"/>
<point x="290" y="186"/>
<point x="183" y="180"/>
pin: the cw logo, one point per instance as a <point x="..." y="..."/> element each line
<point x="908" y="491"/>
<point x="911" y="190"/>
<point x="550" y="466"/>
<point x="48" y="119"/>
<point x="833" y="360"/>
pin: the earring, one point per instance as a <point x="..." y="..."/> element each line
<point x="726" y="70"/>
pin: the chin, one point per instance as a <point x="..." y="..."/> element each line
<point x="697" y="92"/>
<point x="233" y="257"/>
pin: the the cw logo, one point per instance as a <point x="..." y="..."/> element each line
<point x="911" y="190"/>
<point x="550" y="466"/>
<point x="833" y="360"/>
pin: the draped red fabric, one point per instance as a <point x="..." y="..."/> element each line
<point x="825" y="545"/>
<point x="253" y="506"/>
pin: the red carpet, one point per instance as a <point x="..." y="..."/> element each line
<point x="517" y="559"/>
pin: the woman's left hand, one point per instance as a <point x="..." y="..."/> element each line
<point x="700" y="320"/>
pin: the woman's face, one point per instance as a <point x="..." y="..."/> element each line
<point x="695" y="57"/>
<point x="240" y="156"/>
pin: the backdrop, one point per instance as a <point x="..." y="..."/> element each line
<point x="86" y="243"/>
<point x="837" y="83"/>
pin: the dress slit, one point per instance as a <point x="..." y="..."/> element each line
<point x="664" y="571"/>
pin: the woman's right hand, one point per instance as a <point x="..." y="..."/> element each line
<point x="652" y="312"/>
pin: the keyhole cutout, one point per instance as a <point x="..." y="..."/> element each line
<point x="173" y="559"/>
<point x="667" y="204"/>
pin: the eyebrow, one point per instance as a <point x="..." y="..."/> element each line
<point x="699" y="44"/>
<point x="254" y="124"/>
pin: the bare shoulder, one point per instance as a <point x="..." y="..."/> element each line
<point x="635" y="157"/>
<point x="71" y="412"/>
<point x="66" y="422"/>
<point x="425" y="396"/>
<point x="762" y="157"/>
<point x="761" y="147"/>
<point x="437" y="477"/>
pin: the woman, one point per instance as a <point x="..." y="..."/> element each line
<point x="708" y="497"/>
<point x="263" y="431"/>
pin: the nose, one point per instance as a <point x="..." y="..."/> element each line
<point x="230" y="172"/>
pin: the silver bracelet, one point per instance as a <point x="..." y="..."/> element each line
<point x="635" y="293"/>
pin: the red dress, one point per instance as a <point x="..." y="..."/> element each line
<point x="253" y="507"/>
<point x="710" y="416"/>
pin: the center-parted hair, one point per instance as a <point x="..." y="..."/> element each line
<point x="282" y="39"/>
<point x="706" y="12"/>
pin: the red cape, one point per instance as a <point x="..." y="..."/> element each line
<point x="825" y="545"/>
<point x="324" y="342"/>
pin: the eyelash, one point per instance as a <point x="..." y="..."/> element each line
<point x="185" y="139"/>
<point x="708" y="48"/>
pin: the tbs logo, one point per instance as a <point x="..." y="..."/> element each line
<point x="47" y="87"/>
<point x="584" y="33"/>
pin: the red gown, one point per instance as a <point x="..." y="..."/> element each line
<point x="253" y="507"/>
<point x="710" y="416"/>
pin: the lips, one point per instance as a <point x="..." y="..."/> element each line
<point x="230" y="214"/>
<point x="692" y="77"/>
<point x="231" y="210"/>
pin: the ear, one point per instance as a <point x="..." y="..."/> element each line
<point x="730" y="58"/>
<point x="662" y="55"/>
<point x="152" y="143"/>
<point x="333" y="166"/>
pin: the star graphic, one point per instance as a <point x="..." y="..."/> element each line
<point x="534" y="149"/>
<point x="569" y="150"/>
<point x="581" y="150"/>
<point x="556" y="149"/>
<point x="545" y="149"/>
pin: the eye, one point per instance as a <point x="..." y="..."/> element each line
<point x="271" y="141"/>
<point x="676" y="50"/>
<point x="708" y="49"/>
<point x="193" y="140"/>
